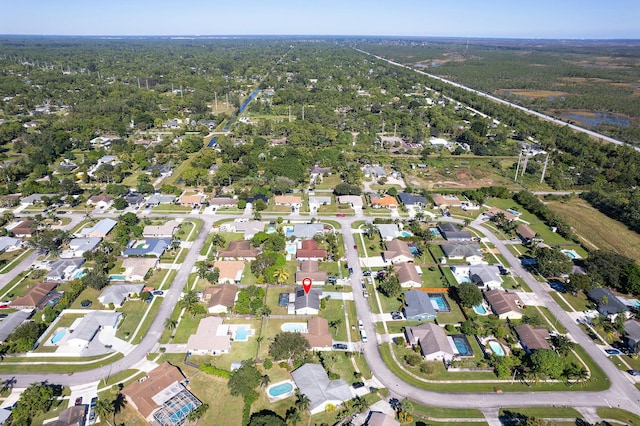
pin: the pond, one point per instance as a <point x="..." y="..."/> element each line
<point x="595" y="119"/>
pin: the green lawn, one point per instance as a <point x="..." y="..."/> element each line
<point x="188" y="325"/>
<point x="273" y="296"/>
<point x="133" y="311"/>
<point x="335" y="311"/>
<point x="622" y="416"/>
<point x="544" y="412"/>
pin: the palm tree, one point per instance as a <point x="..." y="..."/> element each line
<point x="190" y="302"/>
<point x="118" y="404"/>
<point x="302" y="401"/>
<point x="293" y="416"/>
<point x="202" y="268"/>
<point x="265" y="380"/>
<point x="281" y="275"/>
<point x="335" y="323"/>
<point x="170" y="323"/>
<point x="103" y="408"/>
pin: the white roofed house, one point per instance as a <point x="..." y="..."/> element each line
<point x="100" y="229"/>
<point x="9" y="244"/>
<point x="388" y="231"/>
<point x="79" y="246"/>
<point x="65" y="269"/>
<point x="119" y="293"/>
<point x="315" y="202"/>
<point x="306" y="231"/>
<point x="313" y="381"/>
<point x="89" y="326"/>
<point x="165" y="230"/>
<point x="210" y="338"/>
<point x="355" y="201"/>
<point x="136" y="268"/>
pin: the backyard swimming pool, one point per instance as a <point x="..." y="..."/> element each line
<point x="434" y="232"/>
<point x="294" y="327"/>
<point x="57" y="336"/>
<point x="514" y="212"/>
<point x="117" y="277"/>
<point x="78" y="274"/>
<point x="405" y="234"/>
<point x="462" y="345"/>
<point x="572" y="254"/>
<point x="496" y="347"/>
<point x="241" y="334"/>
<point x="480" y="309"/>
<point x="280" y="390"/>
<point x="439" y="303"/>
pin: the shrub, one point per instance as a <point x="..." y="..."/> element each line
<point x="399" y="341"/>
<point x="426" y="368"/>
<point x="333" y="376"/>
<point x="267" y="364"/>
<point x="215" y="371"/>
<point x="413" y="359"/>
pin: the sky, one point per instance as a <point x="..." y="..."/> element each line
<point x="574" y="19"/>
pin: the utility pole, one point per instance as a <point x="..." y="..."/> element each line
<point x="524" y="166"/>
<point x="215" y="95"/>
<point x="515" y="178"/>
<point x="544" y="168"/>
<point x="302" y="112"/>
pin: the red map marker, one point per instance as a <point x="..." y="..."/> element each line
<point x="306" y="285"/>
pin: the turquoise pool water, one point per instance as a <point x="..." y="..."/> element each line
<point x="571" y="253"/>
<point x="291" y="249"/>
<point x="271" y="229"/>
<point x="241" y="334"/>
<point x="405" y="234"/>
<point x="434" y="231"/>
<point x="514" y="212"/>
<point x="281" y="389"/>
<point x="439" y="303"/>
<point x="496" y="348"/>
<point x="462" y="345"/>
<point x="294" y="327"/>
<point x="480" y="310"/>
<point x="117" y="277"/>
<point x="57" y="336"/>
<point x="78" y="274"/>
<point x="465" y="280"/>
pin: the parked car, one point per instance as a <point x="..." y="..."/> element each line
<point x="332" y="280"/>
<point x="149" y="298"/>
<point x="612" y="351"/>
<point x="78" y="400"/>
<point x="358" y="385"/>
<point x="366" y="273"/>
<point x="94" y="401"/>
<point x="158" y="293"/>
<point x="634" y="372"/>
<point x="340" y="215"/>
<point x="396" y="315"/>
<point x="340" y="346"/>
<point x="350" y="271"/>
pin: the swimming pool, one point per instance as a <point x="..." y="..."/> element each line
<point x="514" y="212"/>
<point x="294" y="327"/>
<point x="405" y="234"/>
<point x="464" y="280"/>
<point x="283" y="299"/>
<point x="462" y="345"/>
<point x="280" y="390"/>
<point x="241" y="334"/>
<point x="439" y="303"/>
<point x="480" y="309"/>
<point x="496" y="348"/>
<point x="57" y="336"/>
<point x="434" y="231"/>
<point x="572" y="254"/>
<point x="271" y="229"/>
<point x="78" y="274"/>
<point x="117" y="277"/>
<point x="53" y="301"/>
<point x="291" y="248"/>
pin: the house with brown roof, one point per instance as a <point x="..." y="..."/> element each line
<point x="387" y="202"/>
<point x="532" y="338"/>
<point x="136" y="268"/>
<point x="310" y="269"/>
<point x="397" y="252"/>
<point x="33" y="296"/>
<point x="161" y="396"/>
<point x="101" y="201"/>
<point x="74" y="415"/>
<point x="218" y="202"/>
<point x="191" y="200"/>
<point x="287" y="200"/>
<point x="210" y="338"/>
<point x="504" y="305"/>
<point x="377" y="418"/>
<point x="492" y="212"/>
<point x="445" y="201"/>
<point x="230" y="271"/>
<point x="24" y="228"/>
<point x="165" y="230"/>
<point x="239" y="250"/>
<point x="220" y="298"/>
<point x="309" y="251"/>
<point x="408" y="275"/>
<point x="318" y="334"/>
<point x="526" y="234"/>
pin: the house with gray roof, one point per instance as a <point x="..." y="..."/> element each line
<point x="485" y="276"/>
<point x="119" y="293"/>
<point x="149" y="247"/>
<point x="249" y="228"/>
<point x="89" y="326"/>
<point x="355" y="201"/>
<point x="632" y="334"/>
<point x="9" y="244"/>
<point x="307" y="303"/>
<point x="412" y="200"/>
<point x="157" y="199"/>
<point x="306" y="231"/>
<point x="315" y="202"/>
<point x="451" y="232"/>
<point x="99" y="230"/>
<point x="34" y="199"/>
<point x="313" y="381"/>
<point x="65" y="269"/>
<point x="80" y="246"/>
<point x="532" y="338"/>
<point x="388" y="231"/>
<point x="433" y="341"/>
<point x="134" y="199"/>
<point x="470" y="253"/>
<point x="374" y="171"/>
<point x="418" y="306"/>
<point x="608" y="304"/>
<point x="12" y="321"/>
<point x="377" y="418"/>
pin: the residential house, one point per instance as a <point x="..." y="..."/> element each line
<point x="9" y="244"/>
<point x="162" y="396"/>
<point x="307" y="303"/>
<point x="79" y="246"/>
<point x="504" y="305"/>
<point x="451" y="232"/>
<point x="192" y="200"/>
<point x="445" y="201"/>
<point x="309" y="251"/>
<point x="165" y="230"/>
<point x="86" y="330"/>
<point x="470" y="253"/>
<point x="408" y="275"/>
<point x="230" y="271"/>
<point x="34" y="296"/>
<point x="355" y="201"/>
<point x="608" y="304"/>
<point x="387" y="202"/>
<point x="312" y="380"/>
<point x="388" y="231"/>
<point x="288" y="200"/>
<point x="240" y="250"/>
<point x="418" y="306"/>
<point x="136" y="268"/>
<point x="218" y="202"/>
<point x="485" y="276"/>
<point x="375" y="172"/>
<point x="526" y="234"/>
<point x="134" y="199"/>
<point x="492" y="212"/>
<point x="210" y="338"/>
<point x="247" y="227"/>
<point x="101" y="142"/>
<point x="74" y="415"/>
<point x="23" y="228"/>
<point x="318" y="334"/>
<point x="221" y="298"/>
<point x="532" y="338"/>
<point x="631" y="333"/>
<point x="316" y="171"/>
<point x="397" y="252"/>
<point x="157" y="199"/>
<point x="99" y="230"/>
<point x="305" y="231"/>
<point x="310" y="269"/>
<point x="315" y="202"/>
<point x="377" y="418"/>
<point x="13" y="321"/>
<point x="119" y="293"/>
<point x="10" y="200"/>
<point x="101" y="201"/>
<point x="162" y="170"/>
<point x="65" y="269"/>
<point x="412" y="200"/>
<point x="433" y="341"/>
<point x="148" y="247"/>
<point x="35" y="199"/>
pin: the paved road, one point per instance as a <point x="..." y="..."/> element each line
<point x="622" y="393"/>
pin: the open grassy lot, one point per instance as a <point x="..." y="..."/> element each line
<point x="133" y="311"/>
<point x="273" y="296"/>
<point x="597" y="230"/>
<point x="622" y="416"/>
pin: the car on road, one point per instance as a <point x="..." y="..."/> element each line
<point x="158" y="293"/>
<point x="362" y="283"/>
<point x="634" y="372"/>
<point x="358" y="385"/>
<point x="340" y="346"/>
<point x="341" y="215"/>
<point x="360" y="325"/>
<point x="350" y="271"/>
<point x="78" y="400"/>
<point x="612" y="351"/>
<point x="365" y="294"/>
<point x="355" y="247"/>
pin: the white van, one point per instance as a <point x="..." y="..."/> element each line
<point x="363" y="335"/>
<point x="360" y="325"/>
